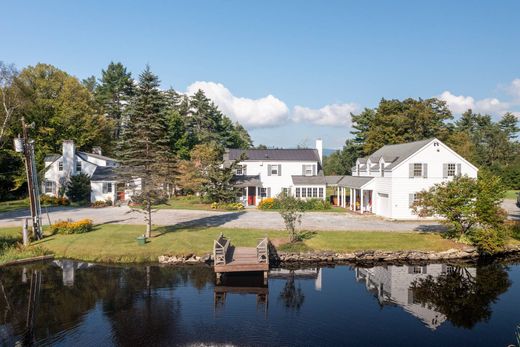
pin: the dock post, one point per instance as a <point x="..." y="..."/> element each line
<point x="219" y="277"/>
<point x="265" y="277"/>
<point x="25" y="232"/>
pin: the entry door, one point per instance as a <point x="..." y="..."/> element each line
<point x="251" y="195"/>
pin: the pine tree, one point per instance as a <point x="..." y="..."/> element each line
<point x="144" y="149"/>
<point x="114" y="92"/>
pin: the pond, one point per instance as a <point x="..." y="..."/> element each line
<point x="65" y="303"/>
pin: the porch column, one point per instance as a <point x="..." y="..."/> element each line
<point x="343" y="201"/>
<point x="351" y="203"/>
<point x="338" y="199"/>
<point x="361" y="202"/>
<point x="354" y="199"/>
<point x="247" y="196"/>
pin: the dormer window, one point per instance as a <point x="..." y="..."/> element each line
<point x="78" y="166"/>
<point x="240" y="170"/>
<point x="60" y="166"/>
<point x="308" y="170"/>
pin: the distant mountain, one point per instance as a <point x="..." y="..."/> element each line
<point x="328" y="151"/>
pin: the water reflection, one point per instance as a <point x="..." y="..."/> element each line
<point x="63" y="302"/>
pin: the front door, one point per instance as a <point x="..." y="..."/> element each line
<point x="251" y="196"/>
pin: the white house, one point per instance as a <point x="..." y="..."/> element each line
<point x="60" y="167"/>
<point x="267" y="172"/>
<point x="386" y="182"/>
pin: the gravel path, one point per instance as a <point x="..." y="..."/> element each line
<point x="242" y="219"/>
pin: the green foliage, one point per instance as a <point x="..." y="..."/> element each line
<point x="514" y="230"/>
<point x="291" y="212"/>
<point x="68" y="227"/>
<point x="102" y="203"/>
<point x="489" y="240"/>
<point x="78" y="188"/>
<point x="11" y="174"/>
<point x="304" y="205"/>
<point x="47" y="200"/>
<point x="342" y="161"/>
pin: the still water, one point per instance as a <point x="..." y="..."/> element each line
<point x="65" y="303"/>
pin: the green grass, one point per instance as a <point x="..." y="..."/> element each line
<point x="8" y="206"/>
<point x="512" y="194"/>
<point x="185" y="203"/>
<point x="117" y="242"/>
<point x="11" y="248"/>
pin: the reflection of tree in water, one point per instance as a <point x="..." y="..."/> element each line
<point x="291" y="296"/>
<point x="132" y="299"/>
<point x="463" y="298"/>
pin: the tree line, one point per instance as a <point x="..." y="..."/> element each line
<point x="489" y="144"/>
<point x="122" y="115"/>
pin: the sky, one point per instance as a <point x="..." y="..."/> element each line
<point x="290" y="71"/>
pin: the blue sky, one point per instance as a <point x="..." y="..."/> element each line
<point x="290" y="71"/>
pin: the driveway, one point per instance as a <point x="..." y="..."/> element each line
<point x="240" y="219"/>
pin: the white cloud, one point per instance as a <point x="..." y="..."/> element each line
<point x="252" y="113"/>
<point x="514" y="89"/>
<point x="334" y="114"/>
<point x="460" y="103"/>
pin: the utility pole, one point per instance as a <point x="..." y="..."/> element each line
<point x="26" y="146"/>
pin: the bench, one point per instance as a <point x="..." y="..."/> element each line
<point x="220" y="248"/>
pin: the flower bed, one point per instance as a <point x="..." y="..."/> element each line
<point x="69" y="227"/>
<point x="229" y="206"/>
<point x="307" y="205"/>
<point x="54" y="200"/>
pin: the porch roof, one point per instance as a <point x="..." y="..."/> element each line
<point x="354" y="181"/>
<point x="247" y="181"/>
<point x="313" y="180"/>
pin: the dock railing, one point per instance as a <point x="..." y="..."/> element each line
<point x="220" y="247"/>
<point x="262" y="250"/>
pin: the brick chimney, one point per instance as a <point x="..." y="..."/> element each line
<point x="96" y="150"/>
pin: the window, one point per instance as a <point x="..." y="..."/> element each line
<point x="274" y="170"/>
<point x="417" y="170"/>
<point x="314" y="192"/>
<point x="60" y="166"/>
<point x="382" y="166"/>
<point x="239" y="170"/>
<point x="308" y="170"/>
<point x="452" y="170"/>
<point x="78" y="166"/>
<point x="263" y="192"/>
<point x="320" y="193"/>
<point x="297" y="192"/>
<point x="107" y="187"/>
<point x="413" y="199"/>
<point x="49" y="187"/>
<point x="304" y="193"/>
<point x="286" y="191"/>
<point x="309" y="192"/>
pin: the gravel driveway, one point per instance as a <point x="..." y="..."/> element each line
<point x="243" y="219"/>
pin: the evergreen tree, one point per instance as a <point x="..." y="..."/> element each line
<point x="78" y="189"/>
<point x="144" y="149"/>
<point x="114" y="92"/>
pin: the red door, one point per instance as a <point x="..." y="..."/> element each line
<point x="251" y="195"/>
<point x="120" y="196"/>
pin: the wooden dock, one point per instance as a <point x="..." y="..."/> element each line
<point x="228" y="258"/>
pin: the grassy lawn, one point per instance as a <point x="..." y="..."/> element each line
<point x="511" y="194"/>
<point x="10" y="248"/>
<point x="117" y="242"/>
<point x="7" y="206"/>
<point x="185" y="203"/>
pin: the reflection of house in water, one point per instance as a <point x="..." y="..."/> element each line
<point x="310" y="273"/>
<point x="69" y="268"/>
<point x="392" y="285"/>
<point x="243" y="284"/>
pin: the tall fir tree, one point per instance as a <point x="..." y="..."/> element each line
<point x="144" y="148"/>
<point x="114" y="92"/>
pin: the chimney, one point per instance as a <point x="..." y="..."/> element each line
<point x="69" y="157"/>
<point x="96" y="150"/>
<point x="319" y="148"/>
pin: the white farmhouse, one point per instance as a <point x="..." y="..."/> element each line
<point x="60" y="167"/>
<point x="267" y="172"/>
<point x="386" y="182"/>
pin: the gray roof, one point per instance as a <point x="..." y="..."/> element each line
<point x="354" y="181"/>
<point x="333" y="180"/>
<point x="52" y="157"/>
<point x="246" y="181"/>
<point x="98" y="156"/>
<point x="395" y="154"/>
<point x="104" y="173"/>
<point x="301" y="180"/>
<point x="299" y="154"/>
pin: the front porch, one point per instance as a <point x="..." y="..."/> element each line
<point x="360" y="195"/>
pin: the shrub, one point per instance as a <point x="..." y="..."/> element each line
<point x="315" y="205"/>
<point x="514" y="230"/>
<point x="269" y="204"/>
<point x="98" y="204"/>
<point x="230" y="206"/>
<point x="68" y="227"/>
<point x="78" y="188"/>
<point x="53" y="200"/>
<point x="489" y="240"/>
